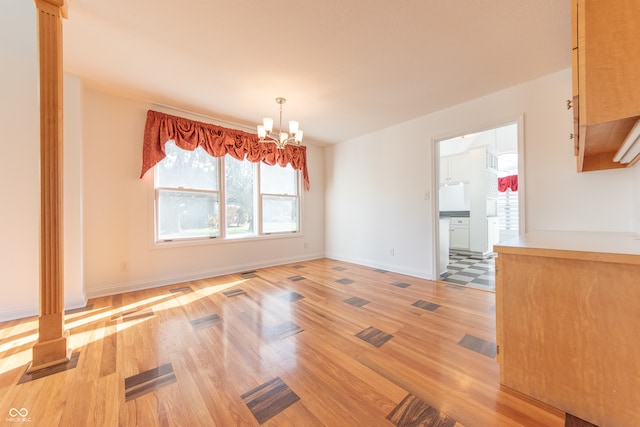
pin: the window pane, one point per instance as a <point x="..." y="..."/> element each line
<point x="187" y="169"/>
<point x="240" y="197"/>
<point x="184" y="214"/>
<point x="279" y="214"/>
<point x="278" y="180"/>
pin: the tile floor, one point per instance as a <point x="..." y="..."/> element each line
<point x="467" y="271"/>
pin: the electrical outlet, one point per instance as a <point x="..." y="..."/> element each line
<point x="306" y="245"/>
<point x="124" y="266"/>
<point x="392" y="251"/>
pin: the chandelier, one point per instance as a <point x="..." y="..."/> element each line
<point x="265" y="131"/>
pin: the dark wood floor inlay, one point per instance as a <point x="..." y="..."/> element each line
<point x="41" y="373"/>
<point x="415" y="412"/>
<point x="573" y="421"/>
<point x="345" y="281"/>
<point x="400" y="285"/>
<point x="339" y="268"/>
<point x="426" y="305"/>
<point x="298" y="266"/>
<point x="147" y="381"/>
<point x="137" y="314"/>
<point x="380" y="270"/>
<point x="283" y="330"/>
<point x="206" y="321"/>
<point x="357" y="302"/>
<point x="295" y="278"/>
<point x="292" y="296"/>
<point x="478" y="345"/>
<point x="374" y="336"/>
<point x="234" y="293"/>
<point x="249" y="274"/>
<point x="181" y="289"/>
<point x="269" y="399"/>
<point x="79" y="310"/>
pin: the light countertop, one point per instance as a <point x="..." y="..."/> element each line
<point x="604" y="246"/>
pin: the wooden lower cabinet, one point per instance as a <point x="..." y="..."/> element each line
<point x="568" y="323"/>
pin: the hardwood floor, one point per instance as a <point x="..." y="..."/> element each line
<point x="314" y="343"/>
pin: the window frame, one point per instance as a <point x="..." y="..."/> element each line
<point x="261" y="221"/>
<point x="222" y="236"/>
<point x="223" y="186"/>
<point x="297" y="196"/>
<point x="156" y="224"/>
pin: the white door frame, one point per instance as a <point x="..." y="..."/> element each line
<point x="435" y="180"/>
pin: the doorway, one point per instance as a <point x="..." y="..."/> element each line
<point x="479" y="202"/>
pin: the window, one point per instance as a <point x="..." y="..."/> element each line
<point x="201" y="197"/>
<point x="240" y="178"/>
<point x="187" y="195"/>
<point x="279" y="199"/>
<point x="508" y="209"/>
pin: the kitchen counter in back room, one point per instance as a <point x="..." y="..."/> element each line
<point x="567" y="322"/>
<point x="456" y="214"/>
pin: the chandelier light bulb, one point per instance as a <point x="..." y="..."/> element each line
<point x="293" y="127"/>
<point x="268" y="124"/>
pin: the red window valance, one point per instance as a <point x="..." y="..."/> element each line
<point x="215" y="140"/>
<point x="507" y="182"/>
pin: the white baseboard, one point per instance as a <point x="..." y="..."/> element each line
<point x="75" y="302"/>
<point x="389" y="267"/>
<point x="21" y="312"/>
<point x="31" y="310"/>
<point x="118" y="288"/>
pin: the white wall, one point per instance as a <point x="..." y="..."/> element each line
<point x="19" y="164"/>
<point x="74" y="293"/>
<point x="118" y="211"/>
<point x="375" y="200"/>
<point x="376" y="183"/>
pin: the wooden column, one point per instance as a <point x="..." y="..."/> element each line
<point x="51" y="347"/>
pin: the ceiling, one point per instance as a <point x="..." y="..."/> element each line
<point x="500" y="140"/>
<point x="346" y="67"/>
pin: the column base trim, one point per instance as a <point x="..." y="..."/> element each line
<point x="32" y="374"/>
<point x="50" y="353"/>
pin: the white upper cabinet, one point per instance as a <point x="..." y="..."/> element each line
<point x="455" y="169"/>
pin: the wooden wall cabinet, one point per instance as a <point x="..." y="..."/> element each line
<point x="606" y="78"/>
<point x="567" y="311"/>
